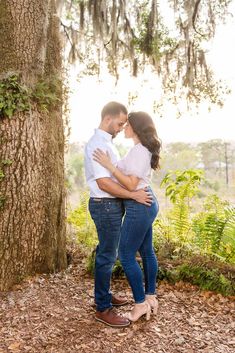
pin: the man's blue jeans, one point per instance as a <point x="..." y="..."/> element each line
<point x="136" y="235"/>
<point x="107" y="216"/>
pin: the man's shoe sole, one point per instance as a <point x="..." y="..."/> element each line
<point x="112" y="325"/>
<point x="125" y="303"/>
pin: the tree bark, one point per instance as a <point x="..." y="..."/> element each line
<point x="32" y="219"/>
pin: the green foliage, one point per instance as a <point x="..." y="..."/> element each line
<point x="210" y="232"/>
<point x="47" y="93"/>
<point x="181" y="186"/>
<point x="228" y="236"/>
<point x="84" y="226"/>
<point x="214" y="228"/>
<point x="16" y="97"/>
<point x="170" y="246"/>
<point x="205" y="279"/>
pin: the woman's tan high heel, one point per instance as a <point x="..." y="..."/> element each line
<point x="153" y="302"/>
<point x="138" y="311"/>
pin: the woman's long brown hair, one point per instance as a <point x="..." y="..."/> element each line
<point x="143" y="126"/>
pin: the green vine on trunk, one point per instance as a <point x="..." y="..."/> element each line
<point x="16" y="97"/>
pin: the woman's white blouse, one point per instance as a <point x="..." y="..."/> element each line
<point x="137" y="162"/>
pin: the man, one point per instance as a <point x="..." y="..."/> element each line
<point x="106" y="209"/>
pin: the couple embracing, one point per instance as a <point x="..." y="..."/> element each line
<point x="123" y="208"/>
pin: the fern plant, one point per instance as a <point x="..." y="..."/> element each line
<point x="214" y="228"/>
<point x="181" y="187"/>
<point x="228" y="236"/>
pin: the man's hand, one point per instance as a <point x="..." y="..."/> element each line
<point x="142" y="196"/>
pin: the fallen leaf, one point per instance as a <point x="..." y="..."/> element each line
<point x="14" y="346"/>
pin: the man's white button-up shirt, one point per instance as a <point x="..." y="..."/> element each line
<point x="103" y="140"/>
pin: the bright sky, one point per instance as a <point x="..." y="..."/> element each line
<point x="89" y="96"/>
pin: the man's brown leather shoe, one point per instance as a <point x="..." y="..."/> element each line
<point x="109" y="317"/>
<point x="118" y="301"/>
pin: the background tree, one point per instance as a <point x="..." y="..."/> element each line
<point x="180" y="155"/>
<point x="218" y="158"/>
<point x="32" y="229"/>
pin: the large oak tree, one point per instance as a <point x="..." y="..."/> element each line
<point x="32" y="212"/>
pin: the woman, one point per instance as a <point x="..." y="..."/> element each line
<point x="134" y="172"/>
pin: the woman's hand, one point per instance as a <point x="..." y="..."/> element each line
<point x="130" y="182"/>
<point x="103" y="159"/>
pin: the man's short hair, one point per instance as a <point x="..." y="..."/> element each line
<point x="113" y="108"/>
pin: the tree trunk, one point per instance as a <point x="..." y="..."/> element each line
<point x="32" y="219"/>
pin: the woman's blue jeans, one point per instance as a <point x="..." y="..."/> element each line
<point x="136" y="235"/>
<point x="107" y="215"/>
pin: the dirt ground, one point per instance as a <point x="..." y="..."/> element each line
<point x="55" y="314"/>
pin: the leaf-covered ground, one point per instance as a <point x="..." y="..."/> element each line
<point x="55" y="314"/>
